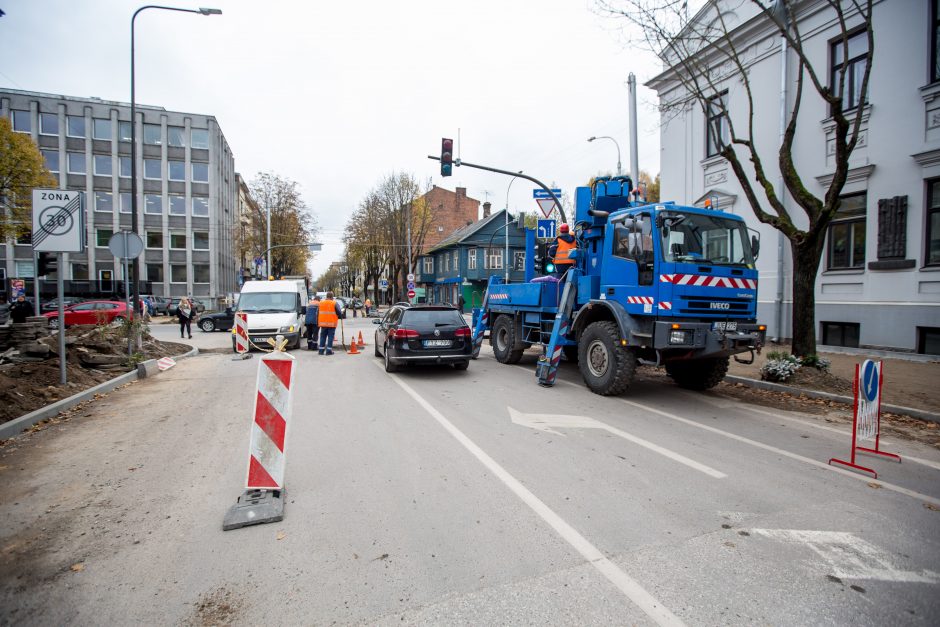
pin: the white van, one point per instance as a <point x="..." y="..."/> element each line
<point x="273" y="308"/>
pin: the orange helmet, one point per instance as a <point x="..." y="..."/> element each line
<point x="563" y="228"/>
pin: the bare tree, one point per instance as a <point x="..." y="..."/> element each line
<point x="703" y="55"/>
<point x="291" y="222"/>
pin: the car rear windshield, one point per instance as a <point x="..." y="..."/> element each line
<point x="424" y="318"/>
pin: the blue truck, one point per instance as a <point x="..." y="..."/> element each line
<point x="657" y="284"/>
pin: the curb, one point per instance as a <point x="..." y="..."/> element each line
<point x="15" y="426"/>
<point x="779" y="387"/>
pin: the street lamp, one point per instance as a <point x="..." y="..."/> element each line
<point x="134" y="223"/>
<point x="619" y="170"/>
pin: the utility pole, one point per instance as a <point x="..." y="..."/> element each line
<point x="634" y="146"/>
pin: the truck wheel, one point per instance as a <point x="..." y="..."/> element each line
<point x="607" y="367"/>
<point x="698" y="374"/>
<point x="502" y="337"/>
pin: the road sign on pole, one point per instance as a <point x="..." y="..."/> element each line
<point x="58" y="221"/>
<point x="411" y="285"/>
<point x="541" y="193"/>
<point x="411" y="277"/>
<point x="546" y="229"/>
<point x="411" y="293"/>
<point x="546" y="205"/>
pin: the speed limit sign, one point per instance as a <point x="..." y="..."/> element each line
<point x="58" y="221"/>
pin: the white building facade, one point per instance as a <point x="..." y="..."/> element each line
<point x="879" y="280"/>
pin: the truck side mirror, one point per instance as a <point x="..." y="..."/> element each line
<point x="755" y="246"/>
<point x="303" y="310"/>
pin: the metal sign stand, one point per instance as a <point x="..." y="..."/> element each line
<point x="60" y="294"/>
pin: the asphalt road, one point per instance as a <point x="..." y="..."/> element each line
<point x="445" y="497"/>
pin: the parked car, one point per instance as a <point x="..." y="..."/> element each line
<point x="160" y="304"/>
<point x="432" y="334"/>
<point x="91" y="312"/>
<point x="53" y="305"/>
<point x="217" y="320"/>
<point x="175" y="302"/>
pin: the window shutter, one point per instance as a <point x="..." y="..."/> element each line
<point x="892" y="227"/>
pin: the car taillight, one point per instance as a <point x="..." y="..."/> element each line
<point x="462" y="332"/>
<point x="402" y="334"/>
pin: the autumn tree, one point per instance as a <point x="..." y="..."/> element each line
<point x="291" y="223"/>
<point x="712" y="53"/>
<point x="22" y="169"/>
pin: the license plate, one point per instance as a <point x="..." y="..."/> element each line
<point x="730" y="325"/>
<point x="436" y="343"/>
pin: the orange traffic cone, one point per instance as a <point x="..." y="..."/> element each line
<point x="353" y="350"/>
<point x="361" y="343"/>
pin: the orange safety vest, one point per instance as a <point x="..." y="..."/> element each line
<point x="562" y="249"/>
<point x="327" y="317"/>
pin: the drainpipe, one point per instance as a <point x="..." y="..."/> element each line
<point x="782" y="194"/>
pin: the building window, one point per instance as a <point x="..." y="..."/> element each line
<point x="174" y="136"/>
<point x="935" y="41"/>
<point x="200" y="273"/>
<point x="153" y="169"/>
<point x="155" y="240"/>
<point x="125" y="202"/>
<point x="177" y="274"/>
<point x="125" y="167"/>
<point x="429" y="265"/>
<point x="51" y="158"/>
<point x="851" y="91"/>
<point x="152" y="134"/>
<point x="76" y="162"/>
<point x="200" y="206"/>
<point x="48" y="124"/>
<point x="153" y="204"/>
<point x="25" y="239"/>
<point x="23" y="269"/>
<point x="155" y="272"/>
<point x="494" y="259"/>
<point x="104" y="201"/>
<point x="22" y="122"/>
<point x="79" y="271"/>
<point x="177" y="205"/>
<point x="200" y="172"/>
<point x="847" y="233"/>
<point x="932" y="242"/>
<point x="102" y="165"/>
<point x="199" y="138"/>
<point x="102" y="236"/>
<point x="840" y="334"/>
<point x="124" y="131"/>
<point x="717" y="133"/>
<point x="75" y="125"/>
<point x="471" y="259"/>
<point x="928" y="340"/>
<point x="200" y="240"/>
<point x="456" y="261"/>
<point x="518" y="261"/>
<point x="177" y="241"/>
<point x="176" y="170"/>
<point x="444" y="264"/>
<point x="102" y="129"/>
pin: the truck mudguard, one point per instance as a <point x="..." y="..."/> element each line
<point x="612" y="310"/>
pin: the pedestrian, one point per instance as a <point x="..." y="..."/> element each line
<point x="20" y="310"/>
<point x="560" y="250"/>
<point x="368" y="305"/>
<point x="313" y="310"/>
<point x="328" y="315"/>
<point x="352" y="303"/>
<point x="460" y="303"/>
<point x="186" y="312"/>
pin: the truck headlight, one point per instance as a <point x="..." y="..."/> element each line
<point x="680" y="337"/>
<point x="286" y="329"/>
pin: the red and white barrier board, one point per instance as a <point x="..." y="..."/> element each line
<point x="269" y="425"/>
<point x="241" y="332"/>
<point x="866" y="418"/>
<point x="165" y="363"/>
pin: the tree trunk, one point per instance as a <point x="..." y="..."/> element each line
<point x="806" y="259"/>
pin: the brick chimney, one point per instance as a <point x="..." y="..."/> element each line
<point x="461" y="192"/>
<point x="486" y="207"/>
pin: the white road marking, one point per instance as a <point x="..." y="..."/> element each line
<point x="849" y="556"/>
<point x="545" y="422"/>
<point x="626" y="584"/>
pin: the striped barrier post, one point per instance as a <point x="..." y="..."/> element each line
<point x="241" y="332"/>
<point x="263" y="500"/>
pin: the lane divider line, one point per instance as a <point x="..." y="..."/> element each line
<point x="626" y="584"/>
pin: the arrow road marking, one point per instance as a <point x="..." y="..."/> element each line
<point x="545" y="422"/>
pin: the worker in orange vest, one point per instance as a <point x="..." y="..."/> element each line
<point x="560" y="250"/>
<point x="327" y="317"/>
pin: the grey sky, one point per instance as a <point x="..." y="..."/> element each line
<point x="336" y="95"/>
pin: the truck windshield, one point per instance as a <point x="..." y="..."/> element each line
<point x="695" y="238"/>
<point x="268" y="302"/>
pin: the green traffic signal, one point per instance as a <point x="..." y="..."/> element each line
<point x="549" y="267"/>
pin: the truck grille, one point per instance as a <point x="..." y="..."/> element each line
<point x="718" y="307"/>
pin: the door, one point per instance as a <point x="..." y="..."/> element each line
<point x="81" y="314"/>
<point x="106" y="280"/>
<point x="627" y="275"/>
<point x="391" y="318"/>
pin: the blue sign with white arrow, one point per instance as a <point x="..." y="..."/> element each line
<point x="870" y="380"/>
<point x="546" y="229"/>
<point x="541" y="193"/>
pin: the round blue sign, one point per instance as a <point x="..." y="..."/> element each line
<point x="869" y="380"/>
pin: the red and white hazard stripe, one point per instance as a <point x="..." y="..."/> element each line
<point x="665" y="305"/>
<point x="269" y="426"/>
<point x="640" y="300"/>
<point x="703" y="280"/>
<point x="241" y="332"/>
<point x="165" y="363"/>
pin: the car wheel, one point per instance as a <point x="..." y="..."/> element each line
<point x="117" y="321"/>
<point x="53" y="323"/>
<point x="207" y="325"/>
<point x="390" y="366"/>
<point x="461" y="365"/>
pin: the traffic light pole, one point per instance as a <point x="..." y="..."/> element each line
<point x="458" y="163"/>
<point x="36" y="284"/>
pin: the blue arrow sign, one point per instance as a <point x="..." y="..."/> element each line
<point x="546" y="229"/>
<point x="870" y="380"/>
<point x="541" y="193"/>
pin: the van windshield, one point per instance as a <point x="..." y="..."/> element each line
<point x="268" y="302"/>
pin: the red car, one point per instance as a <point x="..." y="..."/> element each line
<point x="90" y="312"/>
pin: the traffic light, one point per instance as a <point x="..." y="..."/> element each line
<point x="542" y="262"/>
<point x="48" y="264"/>
<point x="447" y="156"/>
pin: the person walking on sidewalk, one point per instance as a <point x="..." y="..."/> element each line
<point x="186" y="313"/>
<point x="313" y="310"/>
<point x="20" y="310"/>
<point x="328" y="315"/>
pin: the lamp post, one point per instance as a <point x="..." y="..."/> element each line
<point x="134" y="223"/>
<point x="619" y="169"/>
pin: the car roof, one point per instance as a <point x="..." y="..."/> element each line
<point x="438" y="307"/>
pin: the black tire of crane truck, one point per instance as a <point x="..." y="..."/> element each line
<point x="699" y="374"/>
<point x="502" y="338"/>
<point x="607" y="367"/>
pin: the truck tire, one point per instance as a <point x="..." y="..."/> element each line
<point x="699" y="374"/>
<point x="607" y="367"/>
<point x="502" y="337"/>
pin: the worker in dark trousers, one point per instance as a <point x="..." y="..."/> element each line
<point x="313" y="310"/>
<point x="561" y="249"/>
